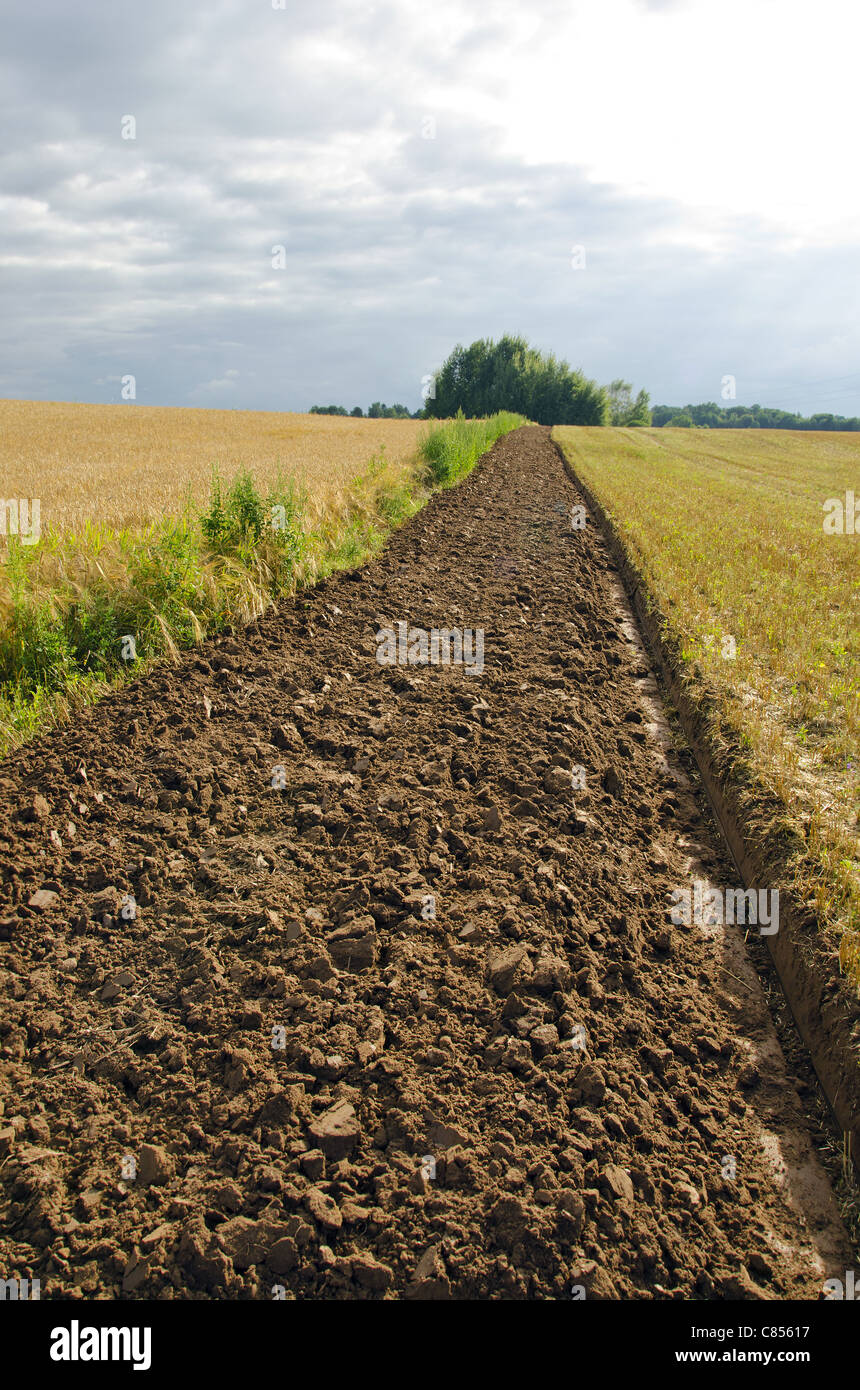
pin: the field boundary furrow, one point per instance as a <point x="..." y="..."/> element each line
<point x="823" y="1005"/>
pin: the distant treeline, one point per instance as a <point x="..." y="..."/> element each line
<point x="510" y="375"/>
<point x="746" y="417"/>
<point x="377" y="411"/>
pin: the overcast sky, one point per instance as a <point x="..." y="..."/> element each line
<point x="428" y="169"/>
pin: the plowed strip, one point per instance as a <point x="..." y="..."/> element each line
<point x="502" y="1072"/>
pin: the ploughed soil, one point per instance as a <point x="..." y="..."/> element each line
<point x="325" y="978"/>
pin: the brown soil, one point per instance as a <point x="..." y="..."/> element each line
<point x="406" y="1035"/>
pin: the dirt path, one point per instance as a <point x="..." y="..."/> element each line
<point x="439" y="926"/>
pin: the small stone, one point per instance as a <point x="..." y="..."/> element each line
<point x="430" y="1265"/>
<point x="162" y="1232"/>
<point x="372" y="1274"/>
<point x="283" y="1255"/>
<point x="504" y="966"/>
<point x="43" y="900"/>
<point x="116" y="984"/>
<point x="558" y="782"/>
<point x="545" y="1038"/>
<point x="688" y="1196"/>
<point x="336" y="1131"/>
<point x="618" y="1182"/>
<point x="324" y="1209"/>
<point x="155" y="1166"/>
<point x="590" y="1083"/>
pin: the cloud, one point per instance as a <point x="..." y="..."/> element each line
<point x="415" y="164"/>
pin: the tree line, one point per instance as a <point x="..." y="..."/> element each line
<point x="745" y="417"/>
<point x="487" y="377"/>
<point x="377" y="411"/>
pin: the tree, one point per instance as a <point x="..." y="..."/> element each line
<point x="683" y="420"/>
<point x="620" y="395"/>
<point x="357" y="412"/>
<point x="641" y="413"/>
<point x="510" y="375"/>
<point x="624" y="410"/>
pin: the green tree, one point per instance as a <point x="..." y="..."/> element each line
<point x="510" y="375"/>
<point x="620" y="395"/>
<point x="624" y="408"/>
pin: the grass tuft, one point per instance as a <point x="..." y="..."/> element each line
<point x="450" y="450"/>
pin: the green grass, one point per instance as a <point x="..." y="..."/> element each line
<point x="451" y="449"/>
<point x="68" y="602"/>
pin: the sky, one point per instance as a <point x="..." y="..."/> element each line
<point x="266" y="204"/>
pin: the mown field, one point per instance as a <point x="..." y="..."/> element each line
<point x="726" y="528"/>
<point x="164" y="526"/>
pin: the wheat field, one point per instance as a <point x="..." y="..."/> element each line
<point x="128" y="465"/>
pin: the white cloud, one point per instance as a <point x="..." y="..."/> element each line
<point x="699" y="150"/>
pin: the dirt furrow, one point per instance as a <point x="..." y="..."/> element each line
<point x="324" y="977"/>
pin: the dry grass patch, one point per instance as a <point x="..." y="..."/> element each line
<point x="726" y="529"/>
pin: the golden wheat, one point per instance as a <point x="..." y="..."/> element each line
<point x="129" y="465"/>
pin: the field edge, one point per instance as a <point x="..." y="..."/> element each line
<point x="822" y="1002"/>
